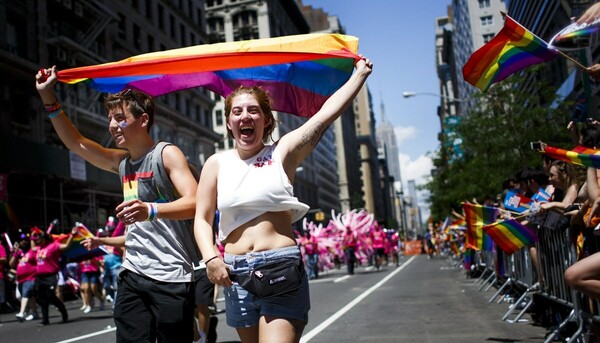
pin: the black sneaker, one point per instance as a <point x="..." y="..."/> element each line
<point x="43" y="323"/>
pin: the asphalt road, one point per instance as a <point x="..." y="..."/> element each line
<point x="422" y="300"/>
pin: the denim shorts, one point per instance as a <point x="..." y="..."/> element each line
<point x="90" y="277"/>
<point x="244" y="309"/>
<point x="27" y="288"/>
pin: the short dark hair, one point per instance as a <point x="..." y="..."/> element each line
<point x="137" y="102"/>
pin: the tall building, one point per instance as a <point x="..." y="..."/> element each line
<point x="476" y="22"/>
<point x="316" y="182"/>
<point x="388" y="146"/>
<point x="45" y="181"/>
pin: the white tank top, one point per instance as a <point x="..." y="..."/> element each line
<point x="248" y="188"/>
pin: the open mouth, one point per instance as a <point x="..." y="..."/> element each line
<point x="246" y="130"/>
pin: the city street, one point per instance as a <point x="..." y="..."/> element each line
<point x="422" y="300"/>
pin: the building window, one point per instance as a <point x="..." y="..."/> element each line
<point x="484" y="3"/>
<point x="488" y="37"/>
<point x="219" y="117"/>
<point x="182" y="34"/>
<point x="161" y="20"/>
<point x="122" y="26"/>
<point x="150" y="43"/>
<point x="487" y="20"/>
<point x="137" y="41"/>
<point x="149" y="9"/>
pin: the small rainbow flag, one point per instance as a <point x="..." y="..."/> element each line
<point x="300" y="72"/>
<point x="77" y="252"/>
<point x="580" y="156"/>
<point x="510" y="235"/>
<point x="513" y="49"/>
<point x="476" y="217"/>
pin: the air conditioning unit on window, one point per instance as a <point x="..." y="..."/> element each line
<point x="61" y="55"/>
<point x="68" y="4"/>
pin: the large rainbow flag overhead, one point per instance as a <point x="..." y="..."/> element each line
<point x="513" y="49"/>
<point x="580" y="156"/>
<point x="476" y="217"/>
<point x="299" y="71"/>
<point x="510" y="235"/>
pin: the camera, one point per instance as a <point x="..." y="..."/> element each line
<point x="536" y="146"/>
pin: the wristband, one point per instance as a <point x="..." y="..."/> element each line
<point x="210" y="259"/>
<point x="55" y="113"/>
<point x="152" y="211"/>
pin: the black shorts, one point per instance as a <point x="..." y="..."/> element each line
<point x="379" y="252"/>
<point x="204" y="289"/>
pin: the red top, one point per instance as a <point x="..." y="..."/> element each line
<point x="27" y="266"/>
<point x="48" y="258"/>
<point x="89" y="266"/>
<point x="378" y="239"/>
<point x="2" y="255"/>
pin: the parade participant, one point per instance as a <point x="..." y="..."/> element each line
<point x="378" y="240"/>
<point x="24" y="259"/>
<point x="311" y="250"/>
<point x="90" y="275"/>
<point x="155" y="299"/>
<point x="349" y="243"/>
<point x="251" y="186"/>
<point x="3" y="262"/>
<point x="47" y="268"/>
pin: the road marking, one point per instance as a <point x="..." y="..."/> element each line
<point x="340" y="279"/>
<point x="310" y="335"/>
<point x="97" y="333"/>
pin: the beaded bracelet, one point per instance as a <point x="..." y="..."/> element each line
<point x="51" y="108"/>
<point x="55" y="113"/>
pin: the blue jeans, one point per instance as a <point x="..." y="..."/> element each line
<point x="110" y="279"/>
<point x="312" y="261"/>
<point x="350" y="259"/>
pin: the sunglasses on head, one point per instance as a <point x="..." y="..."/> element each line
<point x="130" y="93"/>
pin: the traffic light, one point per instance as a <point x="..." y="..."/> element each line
<point x="320" y="216"/>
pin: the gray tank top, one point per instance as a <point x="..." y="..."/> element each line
<point x="163" y="249"/>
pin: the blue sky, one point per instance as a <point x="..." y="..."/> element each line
<point x="399" y="36"/>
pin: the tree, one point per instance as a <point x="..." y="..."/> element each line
<point x="496" y="135"/>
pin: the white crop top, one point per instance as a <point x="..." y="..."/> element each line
<point x="248" y="188"/>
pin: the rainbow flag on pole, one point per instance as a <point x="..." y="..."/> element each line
<point x="580" y="156"/>
<point x="300" y="72"/>
<point x="510" y="235"/>
<point x="513" y="49"/>
<point x="476" y="217"/>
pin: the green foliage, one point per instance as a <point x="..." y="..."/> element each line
<point x="496" y="135"/>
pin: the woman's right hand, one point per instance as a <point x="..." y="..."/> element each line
<point x="218" y="273"/>
<point x="91" y="243"/>
<point x="45" y="79"/>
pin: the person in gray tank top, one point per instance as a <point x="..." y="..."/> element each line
<point x="155" y="301"/>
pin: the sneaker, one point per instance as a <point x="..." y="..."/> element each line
<point x="87" y="309"/>
<point x="20" y="317"/>
<point x="32" y="316"/>
<point x="597" y="230"/>
<point x="43" y="323"/>
<point x="109" y="298"/>
<point x="83" y="307"/>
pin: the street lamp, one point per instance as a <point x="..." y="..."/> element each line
<point x="411" y="94"/>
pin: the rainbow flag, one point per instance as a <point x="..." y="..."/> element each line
<point x="510" y="235"/>
<point x="513" y="49"/>
<point x="580" y="156"/>
<point x="300" y="72"/>
<point x="76" y="251"/>
<point x="9" y="214"/>
<point x="476" y="217"/>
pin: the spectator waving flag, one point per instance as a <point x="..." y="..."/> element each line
<point x="580" y="156"/>
<point x="510" y="235"/>
<point x="476" y="217"/>
<point x="513" y="49"/>
<point x="300" y="72"/>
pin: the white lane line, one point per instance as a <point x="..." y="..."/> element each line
<point x="97" y="333"/>
<point x="310" y="335"/>
<point x="340" y="279"/>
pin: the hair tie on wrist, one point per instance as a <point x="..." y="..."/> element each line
<point x="210" y="259"/>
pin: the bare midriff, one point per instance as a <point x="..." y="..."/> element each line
<point x="270" y="230"/>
